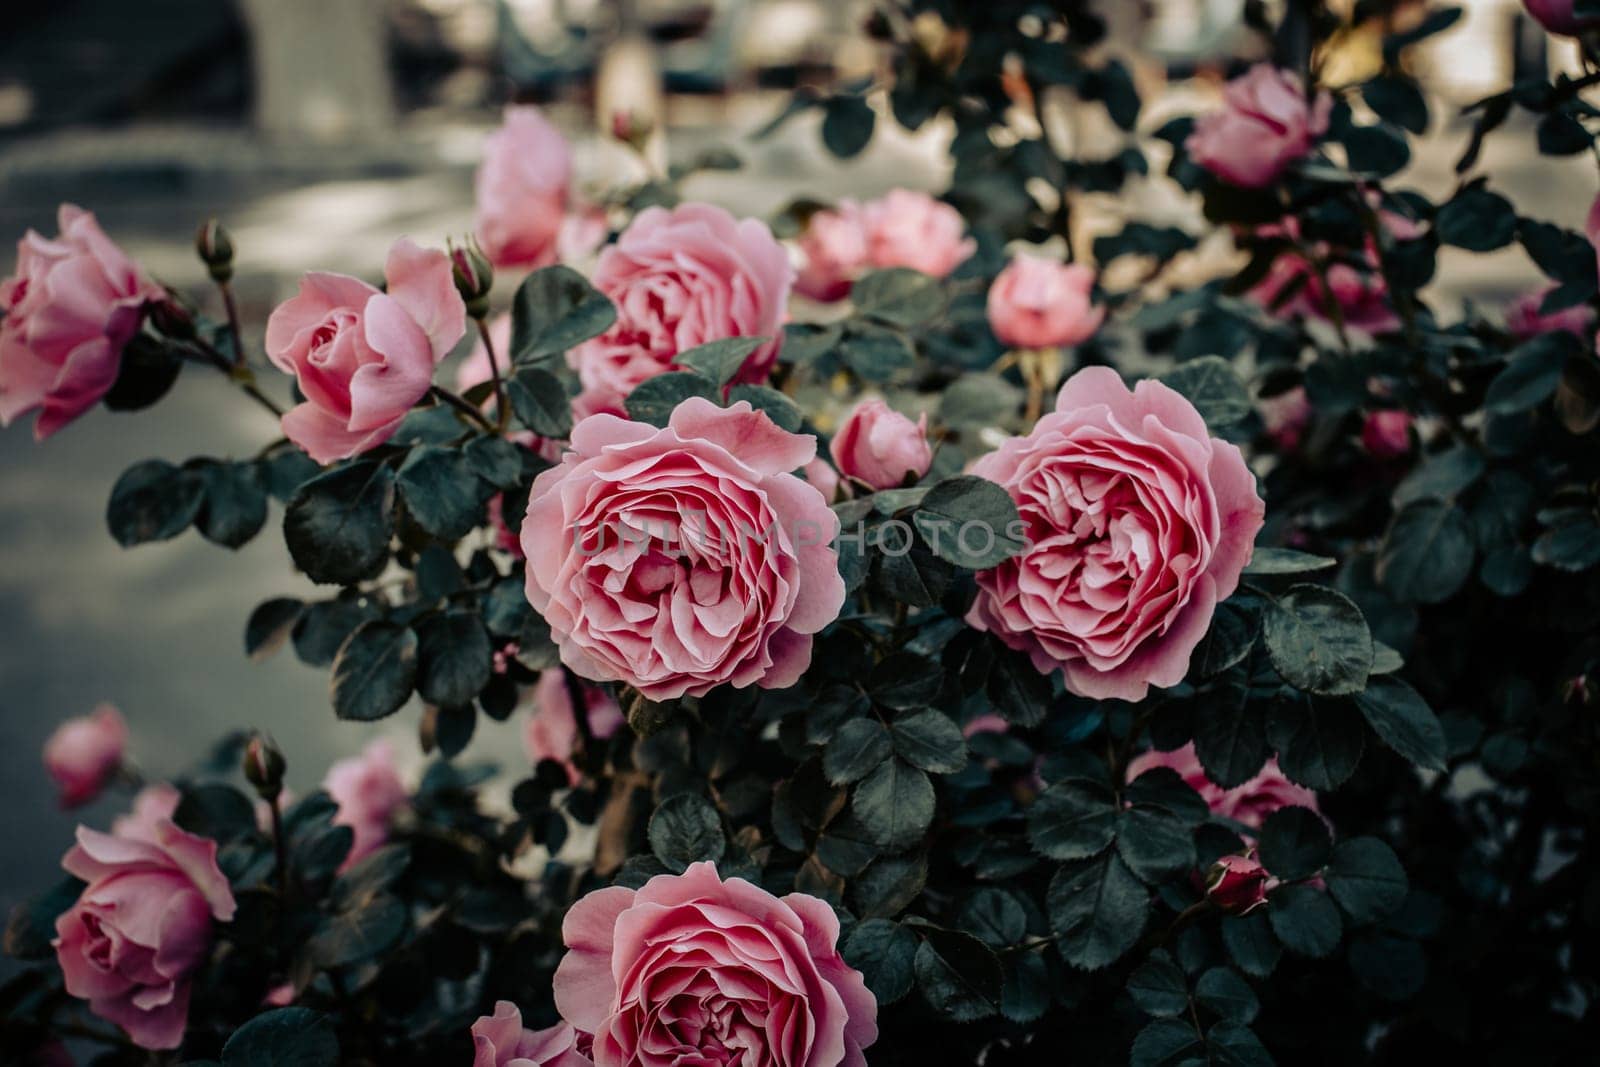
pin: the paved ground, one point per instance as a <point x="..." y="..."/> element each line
<point x="158" y="629"/>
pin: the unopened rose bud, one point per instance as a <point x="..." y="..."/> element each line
<point x="1238" y="884"/>
<point x="1386" y="434"/>
<point x="630" y="128"/>
<point x="215" y="248"/>
<point x="473" y="275"/>
<point x="264" y="767"/>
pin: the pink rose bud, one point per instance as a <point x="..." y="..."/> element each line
<point x="85" y="753"/>
<point x="1041" y="303"/>
<point x="1557" y="16"/>
<point x="369" y="792"/>
<point x="141" y="927"/>
<point x="499" y="1040"/>
<point x="881" y="447"/>
<point x="677" y="947"/>
<point x="908" y="229"/>
<point x="66" y="314"/>
<point x="1237" y="884"/>
<point x="214" y="246"/>
<point x="264" y="766"/>
<point x="1128" y="490"/>
<point x="609" y="561"/>
<point x="1526" y="320"/>
<point x="680" y="278"/>
<point x="551" y="733"/>
<point x="1264" y="126"/>
<point x="522" y="190"/>
<point x="833" y="252"/>
<point x="1386" y="434"/>
<point x="1248" y="804"/>
<point x="473" y="275"/>
<point x="820" y="473"/>
<point x="364" y="357"/>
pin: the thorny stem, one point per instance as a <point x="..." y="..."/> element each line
<point x="280" y="847"/>
<point x="233" y="322"/>
<point x="445" y="395"/>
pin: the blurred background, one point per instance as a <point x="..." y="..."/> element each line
<point x="319" y="130"/>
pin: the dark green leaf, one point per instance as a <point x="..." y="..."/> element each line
<point x="556" y="309"/>
<point x="1159" y="988"/>
<point x="1404" y="721"/>
<point x="1250" y="943"/>
<point x="654" y="399"/>
<point x="958" y="975"/>
<point x="1305" y="920"/>
<point x="970" y="521"/>
<point x="269" y="625"/>
<point x="153" y="501"/>
<point x="1222" y="992"/>
<point x="1427" y="553"/>
<point x="442" y="492"/>
<point x="1211" y="385"/>
<point x="31" y="927"/>
<point x="284" y="1037"/>
<point x="719" y="361"/>
<point x="1230" y="734"/>
<point x="1318" y="742"/>
<point x="855" y="750"/>
<point x="895" y="804"/>
<point x="995" y="917"/>
<point x="1366" y="879"/>
<point x="1154" y="843"/>
<point x="876" y="353"/>
<point x="540" y="402"/>
<point x="234" y="507"/>
<point x="337" y="525"/>
<point x="930" y="740"/>
<point x="1166" y="1043"/>
<point x="375" y="671"/>
<point x="1443" y="476"/>
<point x="1098" y="910"/>
<point x="1531" y="376"/>
<point x="883" y="951"/>
<point x="1318" y="640"/>
<point x="784" y="413"/>
<point x="359" y="934"/>
<point x="686" y="829"/>
<point x="904" y="680"/>
<point x="1272" y="561"/>
<point x="454" y="660"/>
<point x="847" y="122"/>
<point x="1295" y="843"/>
<point x="1073" y="819"/>
<point x="1477" y="220"/>
<point x="898" y="297"/>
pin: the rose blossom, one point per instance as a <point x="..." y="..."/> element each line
<point x="1238" y="884"/>
<point x="1285" y="417"/>
<point x="1041" y="303"/>
<point x="1263" y="126"/>
<point x="65" y="315"/>
<point x="551" y="733"/>
<point x="499" y="1040"/>
<point x="363" y="357"/>
<point x="820" y="473"/>
<point x="1138" y="523"/>
<point x="910" y="229"/>
<point x="141" y="927"/>
<point x="85" y="753"/>
<point x="1386" y="434"/>
<point x="681" y="278"/>
<point x="833" y="251"/>
<point x="1248" y="804"/>
<point x="881" y="447"/>
<point x="522" y="188"/>
<point x="1360" y="292"/>
<point x="152" y="804"/>
<point x="369" y="791"/>
<point x="1525" y="320"/>
<point x="680" y="559"/>
<point x="695" y="969"/>
<point x="1557" y="16"/>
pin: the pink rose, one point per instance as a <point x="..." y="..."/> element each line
<point x="552" y="733"/>
<point x="65" y="316"/>
<point x="582" y="234"/>
<point x="1264" y="125"/>
<point x="820" y="473"/>
<point x="694" y="969"/>
<point x="833" y="252"/>
<point x="152" y="804"/>
<point x="1138" y="524"/>
<point x="369" y="792"/>
<point x="1294" y="287"/>
<point x="1248" y="804"/>
<point x="85" y="753"/>
<point x="499" y="1040"/>
<point x="522" y="187"/>
<point x="909" y="229"/>
<point x="1525" y="320"/>
<point x="684" y="558"/>
<point x="141" y="927"/>
<point x="1041" y="303"/>
<point x="1386" y="434"/>
<point x="363" y="357"/>
<point x="1238" y="884"/>
<point x="1286" y="416"/>
<point x="681" y="278"/>
<point x="881" y="447"/>
<point x="1557" y="16"/>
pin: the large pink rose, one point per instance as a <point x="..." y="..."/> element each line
<point x="692" y="969"/>
<point x="1525" y="320"/>
<point x="363" y="357"/>
<point x="1248" y="804"/>
<point x="141" y="927"/>
<point x="910" y="229"/>
<point x="551" y="733"/>
<point x="1557" y="16"/>
<point x="880" y="447"/>
<point x="522" y="188"/>
<point x="684" y="558"/>
<point x="499" y="1040"/>
<point x="833" y="251"/>
<point x="85" y="753"/>
<point x="1263" y="126"/>
<point x="1138" y="524"/>
<point x="65" y="315"/>
<point x="1042" y="303"/>
<point x="369" y="791"/>
<point x="681" y="278"/>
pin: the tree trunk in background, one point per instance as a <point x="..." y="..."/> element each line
<point x="321" y="68"/>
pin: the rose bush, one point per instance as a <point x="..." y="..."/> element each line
<point x="851" y="738"/>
